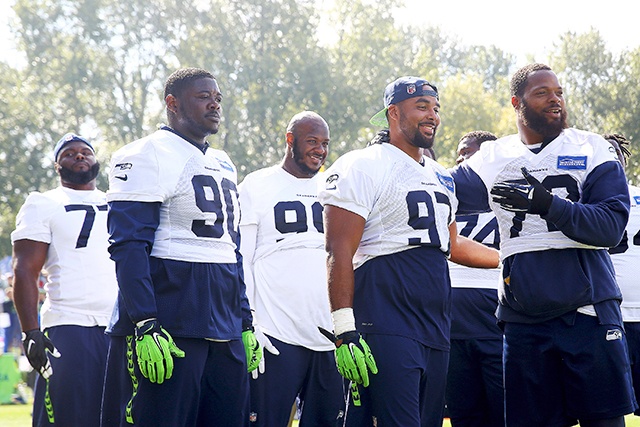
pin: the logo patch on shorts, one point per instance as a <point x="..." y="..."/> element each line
<point x="614" y="334"/>
<point x="253" y="417"/>
<point x="572" y="162"/>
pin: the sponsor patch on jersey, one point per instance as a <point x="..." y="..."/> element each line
<point x="225" y="164"/>
<point x="447" y="181"/>
<point x="331" y="181"/>
<point x="572" y="162"/>
<point x="614" y="334"/>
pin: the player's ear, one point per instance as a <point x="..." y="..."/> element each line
<point x="392" y="112"/>
<point x="172" y="103"/>
<point x="515" y="102"/>
<point x="289" y="137"/>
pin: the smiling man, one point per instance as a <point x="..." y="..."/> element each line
<point x="181" y="335"/>
<point x="389" y="228"/>
<point x="284" y="260"/>
<point x="560" y="197"/>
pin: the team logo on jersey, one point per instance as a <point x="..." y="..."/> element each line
<point x="123" y="166"/>
<point x="331" y="181"/>
<point x="447" y="181"/>
<point x="225" y="165"/>
<point x="572" y="162"/>
<point x="614" y="334"/>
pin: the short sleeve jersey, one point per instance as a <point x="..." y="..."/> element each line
<point x="563" y="166"/>
<point x="81" y="285"/>
<point x="402" y="282"/>
<point x="624" y="258"/>
<point x="198" y="215"/>
<point x="288" y="268"/>
<point x="405" y="204"/>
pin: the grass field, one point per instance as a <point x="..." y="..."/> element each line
<point x="20" y="416"/>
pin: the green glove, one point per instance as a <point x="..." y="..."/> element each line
<point x="252" y="349"/>
<point x="155" y="350"/>
<point x="354" y="358"/>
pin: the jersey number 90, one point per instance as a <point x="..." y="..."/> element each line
<point x="300" y="224"/>
<point x="214" y="205"/>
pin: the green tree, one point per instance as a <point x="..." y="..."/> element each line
<point x="25" y="151"/>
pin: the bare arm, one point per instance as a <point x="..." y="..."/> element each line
<point x="343" y="230"/>
<point x="28" y="259"/>
<point x="468" y="252"/>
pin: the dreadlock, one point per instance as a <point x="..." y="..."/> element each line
<point x="380" y="138"/>
<point x="623" y="143"/>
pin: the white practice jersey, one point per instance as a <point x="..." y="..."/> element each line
<point x="564" y="165"/>
<point x="405" y="204"/>
<point x="285" y="265"/>
<point x="626" y="257"/>
<point x="481" y="227"/>
<point x="81" y="287"/>
<point x="197" y="190"/>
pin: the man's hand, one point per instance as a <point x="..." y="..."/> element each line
<point x="252" y="350"/>
<point x="515" y="197"/>
<point x="155" y="350"/>
<point x="36" y="345"/>
<point x="354" y="358"/>
<point x="540" y="197"/>
<point x="265" y="344"/>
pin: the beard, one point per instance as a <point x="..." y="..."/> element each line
<point x="540" y="124"/>
<point x="81" y="178"/>
<point x="298" y="156"/>
<point x="416" y="138"/>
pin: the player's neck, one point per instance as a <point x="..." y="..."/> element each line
<point x="90" y="186"/>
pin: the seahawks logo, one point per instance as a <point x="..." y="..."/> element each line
<point x="331" y="180"/>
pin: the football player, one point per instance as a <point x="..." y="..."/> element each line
<point x="181" y="337"/>
<point x="389" y="227"/>
<point x="64" y="231"/>
<point x="475" y="395"/>
<point x="285" y="271"/>
<point x="561" y="199"/>
<point x="625" y="257"/>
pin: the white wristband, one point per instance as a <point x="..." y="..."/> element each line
<point x="343" y="320"/>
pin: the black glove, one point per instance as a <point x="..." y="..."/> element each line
<point x="36" y="345"/>
<point x="516" y="197"/>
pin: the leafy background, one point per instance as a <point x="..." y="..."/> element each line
<point x="97" y="67"/>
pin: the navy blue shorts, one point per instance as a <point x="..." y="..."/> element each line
<point x="408" y="389"/>
<point x="75" y="388"/>
<point x="632" y="330"/>
<point x="566" y="369"/>
<point x="297" y="371"/>
<point x="209" y="387"/>
<point x="475" y="395"/>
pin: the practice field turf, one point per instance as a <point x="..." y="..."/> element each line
<point x="20" y="416"/>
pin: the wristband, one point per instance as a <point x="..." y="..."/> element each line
<point x="343" y="320"/>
